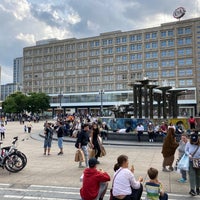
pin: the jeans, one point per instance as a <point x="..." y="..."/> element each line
<point x="85" y="151"/>
<point x="184" y="174"/>
<point x="194" y="175"/>
<point x="60" y="142"/>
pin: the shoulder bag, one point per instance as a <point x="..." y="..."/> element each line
<point x="196" y="161"/>
<point x="111" y="194"/>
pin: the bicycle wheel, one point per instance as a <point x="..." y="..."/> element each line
<point x="14" y="163"/>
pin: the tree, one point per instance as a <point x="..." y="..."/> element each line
<point x="38" y="102"/>
<point x="15" y="103"/>
<point x="20" y="103"/>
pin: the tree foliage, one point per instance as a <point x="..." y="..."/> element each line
<point x="20" y="103"/>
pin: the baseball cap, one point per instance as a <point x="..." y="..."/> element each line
<point x="92" y="162"/>
<point x="194" y="137"/>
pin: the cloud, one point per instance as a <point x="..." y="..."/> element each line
<point x="23" y="22"/>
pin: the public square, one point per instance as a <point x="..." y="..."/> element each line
<point x="51" y="172"/>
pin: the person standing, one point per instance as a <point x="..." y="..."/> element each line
<point x="29" y="126"/>
<point x="48" y="132"/>
<point x="83" y="140"/>
<point x="95" y="182"/>
<point x="193" y="151"/>
<point x="168" y="149"/>
<point x="192" y="123"/>
<point x="2" y="131"/>
<point x="95" y="133"/>
<point x="181" y="152"/>
<point x="140" y="130"/>
<point x="60" y="134"/>
<point x="150" y="132"/>
<point x="125" y="186"/>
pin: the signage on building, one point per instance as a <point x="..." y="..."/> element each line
<point x="179" y="12"/>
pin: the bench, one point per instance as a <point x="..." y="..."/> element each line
<point x="131" y="137"/>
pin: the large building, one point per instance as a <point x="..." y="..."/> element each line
<point x="18" y="71"/>
<point x="73" y="71"/>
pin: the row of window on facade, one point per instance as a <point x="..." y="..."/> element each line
<point x="184" y="62"/>
<point x="120" y="58"/>
<point x="164" y="73"/>
<point x="96" y="80"/>
<point x="112" y="50"/>
<point x="111" y="41"/>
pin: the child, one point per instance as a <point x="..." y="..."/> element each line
<point x="153" y="187"/>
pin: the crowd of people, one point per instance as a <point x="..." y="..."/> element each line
<point x="89" y="131"/>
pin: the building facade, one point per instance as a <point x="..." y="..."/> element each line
<point x="81" y="68"/>
<point x="8" y="89"/>
<point x="18" y="70"/>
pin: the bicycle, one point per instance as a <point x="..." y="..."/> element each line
<point x="12" y="159"/>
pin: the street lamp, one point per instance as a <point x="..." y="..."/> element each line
<point x="101" y="92"/>
<point x="60" y="98"/>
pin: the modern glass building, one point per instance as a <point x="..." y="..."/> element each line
<point x="85" y="73"/>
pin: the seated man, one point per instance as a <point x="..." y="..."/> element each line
<point x="95" y="182"/>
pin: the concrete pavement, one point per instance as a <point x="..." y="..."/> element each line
<point x="63" y="170"/>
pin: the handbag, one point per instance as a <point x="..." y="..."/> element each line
<point x="196" y="161"/>
<point x="183" y="163"/>
<point x="111" y="194"/>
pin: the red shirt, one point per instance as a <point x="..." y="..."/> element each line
<point x="91" y="183"/>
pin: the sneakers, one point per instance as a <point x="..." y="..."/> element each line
<point x="182" y="180"/>
<point x="192" y="192"/>
<point x="60" y="153"/>
<point x="197" y="191"/>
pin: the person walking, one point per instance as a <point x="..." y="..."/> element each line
<point x="181" y="152"/>
<point x="48" y="132"/>
<point x="95" y="182"/>
<point x="95" y="134"/>
<point x="29" y="126"/>
<point x="168" y="149"/>
<point x="2" y="131"/>
<point x="60" y="134"/>
<point x="193" y="151"/>
<point x="125" y="186"/>
<point x="82" y="140"/>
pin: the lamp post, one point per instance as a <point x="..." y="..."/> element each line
<point x="60" y="98"/>
<point x="101" y="92"/>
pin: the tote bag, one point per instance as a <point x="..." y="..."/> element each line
<point x="183" y="164"/>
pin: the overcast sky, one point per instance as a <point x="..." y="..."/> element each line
<point x="23" y="22"/>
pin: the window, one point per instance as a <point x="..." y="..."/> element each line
<point x="163" y="43"/>
<point x="188" y="30"/>
<point x="154" y="35"/>
<point x="170" y="33"/>
<point x="124" y="49"/>
<point x="124" y="40"/>
<point x="147" y="36"/>
<point x="180" y="31"/>
<point x="118" y="40"/>
<point x="148" y="46"/>
<point x="154" y="45"/>
<point x="163" y="34"/>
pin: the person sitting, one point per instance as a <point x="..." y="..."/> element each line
<point x="125" y="186"/>
<point x="95" y="182"/>
<point x="154" y="187"/>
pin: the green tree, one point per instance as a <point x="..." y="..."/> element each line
<point x="15" y="103"/>
<point x="38" y="102"/>
<point x="33" y="102"/>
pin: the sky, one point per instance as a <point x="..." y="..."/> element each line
<point x="23" y="22"/>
